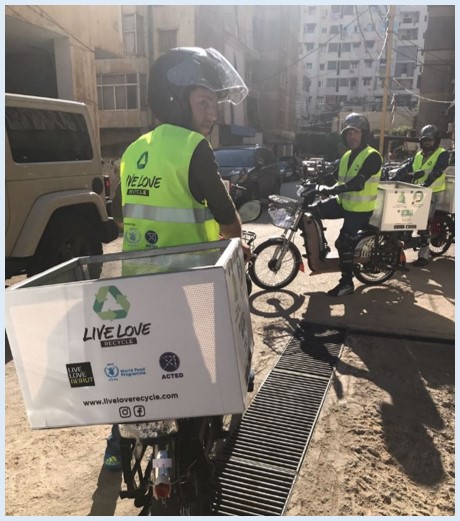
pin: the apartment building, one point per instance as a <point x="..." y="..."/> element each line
<point x="258" y="40"/>
<point x="51" y="50"/>
<point x="101" y="55"/>
<point x="342" y="62"/>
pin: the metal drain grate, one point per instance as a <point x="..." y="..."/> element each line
<point x="258" y="465"/>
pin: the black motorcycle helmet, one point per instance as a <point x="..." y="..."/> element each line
<point x="360" y="122"/>
<point x="177" y="72"/>
<point x="430" y="132"/>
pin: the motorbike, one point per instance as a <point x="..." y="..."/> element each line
<point x="168" y="465"/>
<point x="277" y="261"/>
<point x="442" y="232"/>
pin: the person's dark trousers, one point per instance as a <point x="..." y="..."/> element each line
<point x="353" y="222"/>
<point x="113" y="442"/>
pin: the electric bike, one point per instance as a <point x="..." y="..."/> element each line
<point x="277" y="261"/>
<point x="168" y="465"/>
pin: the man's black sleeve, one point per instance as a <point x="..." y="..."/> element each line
<point x="206" y="184"/>
<point x="404" y="169"/>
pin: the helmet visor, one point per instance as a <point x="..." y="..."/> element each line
<point x="208" y="68"/>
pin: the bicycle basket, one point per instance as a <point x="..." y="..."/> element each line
<point x="282" y="211"/>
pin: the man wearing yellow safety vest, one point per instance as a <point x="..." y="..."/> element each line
<point x="170" y="188"/>
<point x="355" y="194"/>
<point x="432" y="160"/>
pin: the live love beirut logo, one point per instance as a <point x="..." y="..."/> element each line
<point x="80" y="374"/>
<point x="170" y="363"/>
<point x="110" y="304"/>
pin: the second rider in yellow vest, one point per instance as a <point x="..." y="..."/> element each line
<point x="432" y="160"/>
<point x="355" y="194"/>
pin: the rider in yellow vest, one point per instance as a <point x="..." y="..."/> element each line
<point x="432" y="160"/>
<point x="171" y="192"/>
<point x="355" y="194"/>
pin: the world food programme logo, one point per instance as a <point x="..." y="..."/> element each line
<point x="169" y="362"/>
<point x="111" y="371"/>
<point x="118" y="298"/>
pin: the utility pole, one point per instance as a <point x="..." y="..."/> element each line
<point x="389" y="45"/>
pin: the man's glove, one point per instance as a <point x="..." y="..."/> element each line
<point x="327" y="190"/>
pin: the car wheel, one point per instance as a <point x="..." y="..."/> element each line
<point x="66" y="237"/>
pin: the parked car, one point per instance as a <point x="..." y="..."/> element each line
<point x="57" y="201"/>
<point x="294" y="166"/>
<point x="258" y="164"/>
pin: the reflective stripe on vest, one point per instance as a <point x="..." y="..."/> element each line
<point x="427" y="166"/>
<point x="364" y="200"/>
<point x="158" y="207"/>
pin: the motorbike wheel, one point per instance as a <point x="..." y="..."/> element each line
<point x="377" y="268"/>
<point x="442" y="231"/>
<point x="262" y="269"/>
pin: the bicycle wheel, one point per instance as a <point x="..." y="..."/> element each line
<point x="263" y="270"/>
<point x="442" y="234"/>
<point x="376" y="265"/>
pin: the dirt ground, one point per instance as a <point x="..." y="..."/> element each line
<point x="384" y="441"/>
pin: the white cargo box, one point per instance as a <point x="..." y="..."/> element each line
<point x="446" y="201"/>
<point x="401" y="206"/>
<point x="137" y="344"/>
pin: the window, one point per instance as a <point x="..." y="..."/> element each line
<point x="324" y="30"/>
<point x="346" y="47"/>
<point x="322" y="47"/>
<point x="344" y="65"/>
<point x="42" y="136"/>
<point x="320" y="83"/>
<point x="309" y="46"/>
<point x="348" y="9"/>
<point x="369" y="27"/>
<point x="320" y="100"/>
<point x="335" y="8"/>
<point x="306" y="84"/>
<point x="167" y="39"/>
<point x="368" y="63"/>
<point x="370" y="44"/>
<point x="309" y="28"/>
<point x="309" y="65"/>
<point x="353" y="83"/>
<point x="331" y="82"/>
<point x="133" y="34"/>
<point x="321" y="66"/>
<point x="120" y="91"/>
<point x="331" y="66"/>
<point x="333" y="47"/>
<point x="356" y="45"/>
<point x="354" y="65"/>
<point x="367" y="81"/>
<point x="343" y="82"/>
<point x="334" y="29"/>
<point x="311" y="10"/>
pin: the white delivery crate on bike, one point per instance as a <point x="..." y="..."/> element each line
<point x="446" y="201"/>
<point x="160" y="334"/>
<point x="401" y="206"/>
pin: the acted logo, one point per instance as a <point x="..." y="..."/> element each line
<point x="80" y="374"/>
<point x="170" y="363"/>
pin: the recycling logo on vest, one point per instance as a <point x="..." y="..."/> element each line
<point x="111" y="304"/>
<point x="111" y="314"/>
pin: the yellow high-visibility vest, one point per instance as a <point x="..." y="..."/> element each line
<point x="158" y="208"/>
<point x="365" y="199"/>
<point x="427" y="165"/>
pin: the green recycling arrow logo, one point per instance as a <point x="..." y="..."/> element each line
<point x="120" y="299"/>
